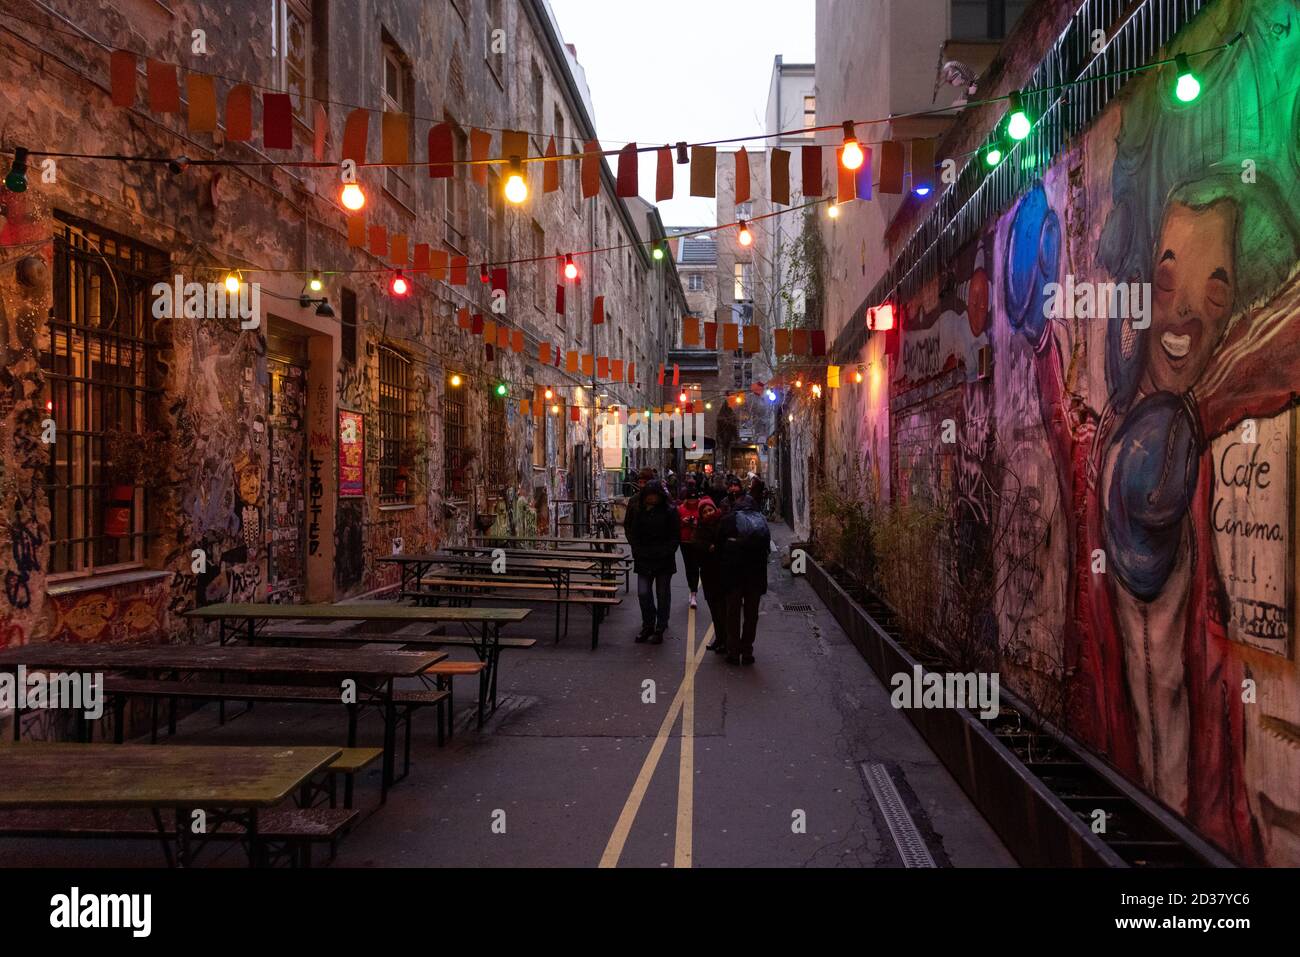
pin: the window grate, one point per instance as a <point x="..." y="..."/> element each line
<point x="395" y="432"/>
<point x="454" y="441"/>
<point x="102" y="374"/>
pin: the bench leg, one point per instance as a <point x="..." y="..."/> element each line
<point x="406" y="757"/>
<point x="390" y="738"/>
<point x="482" y="694"/>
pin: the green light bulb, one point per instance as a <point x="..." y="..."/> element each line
<point x="1188" y="87"/>
<point x="993" y="156"/>
<point x="658" y="252"/>
<point x="501" y="388"/>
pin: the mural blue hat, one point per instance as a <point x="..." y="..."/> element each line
<point x="1033" y="261"/>
<point x="1151" y="487"/>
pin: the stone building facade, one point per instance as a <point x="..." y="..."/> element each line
<point x="241" y="494"/>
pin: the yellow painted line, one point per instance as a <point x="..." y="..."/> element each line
<point x="686" y="760"/>
<point x="614" y="849"/>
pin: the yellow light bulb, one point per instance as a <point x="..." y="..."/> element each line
<point x="455" y="380"/>
<point x="834" y="211"/>
<point x="851" y="156"/>
<point x="516" y="189"/>
<point x="232" y="283"/>
<point x="352" y="197"/>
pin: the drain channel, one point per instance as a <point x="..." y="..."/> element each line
<point x="908" y="840"/>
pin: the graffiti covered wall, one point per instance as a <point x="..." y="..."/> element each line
<point x="1147" y="440"/>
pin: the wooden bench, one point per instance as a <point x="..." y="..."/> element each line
<point x="405" y="702"/>
<point x="349" y="763"/>
<point x="596" y="605"/>
<point x="295" y="828"/>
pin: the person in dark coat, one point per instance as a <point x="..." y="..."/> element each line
<point x="707" y="539"/>
<point x="758" y="492"/>
<point x="745" y="547"/>
<point x="653" y="531"/>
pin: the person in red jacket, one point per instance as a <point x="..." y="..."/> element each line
<point x="689" y="512"/>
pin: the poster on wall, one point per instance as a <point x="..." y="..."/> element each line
<point x="352" y="455"/>
<point x="1252" y="533"/>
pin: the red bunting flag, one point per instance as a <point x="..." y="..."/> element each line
<point x="462" y="318"/>
<point x="677" y="374"/>
<point x="598" y="311"/>
<point x="421" y="258"/>
<point x="551" y="170"/>
<point x="480" y="145"/>
<point x="378" y="241"/>
<point x="602" y="367"/>
<point x="591" y="169"/>
<point x="442" y="151"/>
<point x="575" y="413"/>
<point x="631" y="372"/>
<point x="616" y="370"/>
<point x="277" y="121"/>
<point x="812" y="171"/>
<point x="162" y="88"/>
<point x="710" y="335"/>
<point x="239" y="114"/>
<point x="122" y="71"/>
<point x="661" y="373"/>
<point x="664" y="175"/>
<point x="459" y="270"/>
<point x="819" y="342"/>
<point x="626" y="183"/>
<point x="356" y="129"/>
<point x="356" y="232"/>
<point x="559" y="299"/>
<point x="476" y="324"/>
<point x="742" y="176"/>
<point x="501" y="279"/>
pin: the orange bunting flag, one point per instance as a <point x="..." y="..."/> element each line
<point x="517" y="340"/>
<point x="812" y="171"/>
<point x="356" y="232"/>
<point x="239" y="114"/>
<point x="730" y="336"/>
<point x="832" y="377"/>
<point x="395" y="137"/>
<point x="438" y="259"/>
<point x="480" y="145"/>
<point x="677" y="374"/>
<point x="524" y="408"/>
<point x="602" y="367"/>
<point x="397" y="249"/>
<point x="459" y="270"/>
<point x="462" y="318"/>
<point x="704" y="164"/>
<point x="201" y="92"/>
<point x="442" y="151"/>
<point x="661" y="373"/>
<point x="356" y="129"/>
<point x="779" y="173"/>
<point x="626" y="182"/>
<point x="489" y="332"/>
<point x="544" y="353"/>
<point x="751" y="340"/>
<point x="505" y="338"/>
<point x="551" y="171"/>
<point x="846" y="186"/>
<point x="162" y="88"/>
<point x="571" y="361"/>
<point x="588" y="364"/>
<point x="690" y="331"/>
<point x="742" y="176"/>
<point x="616" y="370"/>
<point x="378" y="241"/>
<point x="277" y="121"/>
<point x="514" y="143"/>
<point x="782" y="342"/>
<point x="590" y="169"/>
<point x="664" y="175"/>
<point x="121" y="72"/>
<point x="598" y="311"/>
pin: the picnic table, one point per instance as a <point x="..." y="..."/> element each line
<point x="249" y="618"/>
<point x="230" y="784"/>
<point x="554" y="542"/>
<point x="555" y="570"/>
<point x="374" y="671"/>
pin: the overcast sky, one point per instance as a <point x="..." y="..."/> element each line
<point x="667" y="70"/>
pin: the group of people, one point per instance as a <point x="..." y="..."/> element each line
<point x="725" y="543"/>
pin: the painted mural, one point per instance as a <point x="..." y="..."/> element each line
<point x="1155" y="553"/>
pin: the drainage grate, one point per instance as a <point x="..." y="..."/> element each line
<point x="796" y="606"/>
<point x="908" y="840"/>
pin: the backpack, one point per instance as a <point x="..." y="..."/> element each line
<point x="751" y="531"/>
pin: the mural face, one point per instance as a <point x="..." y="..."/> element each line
<point x="1159" y="552"/>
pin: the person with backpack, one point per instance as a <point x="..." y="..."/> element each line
<point x="688" y="510"/>
<point x="745" y="546"/>
<point x="653" y="531"/>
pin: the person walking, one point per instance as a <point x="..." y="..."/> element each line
<point x="688" y="511"/>
<point x="706" y="540"/>
<point x="745" y="546"/>
<point x="653" y="531"/>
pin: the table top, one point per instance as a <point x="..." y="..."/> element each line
<point x="156" y="775"/>
<point x="318" y="662"/>
<point x="544" y="554"/>
<point x="534" y="560"/>
<point x="553" y="539"/>
<point x="359" y="612"/>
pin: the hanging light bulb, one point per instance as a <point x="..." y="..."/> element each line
<point x="682" y="157"/>
<point x="770" y="395"/>
<point x="352" y="197"/>
<point x="456" y="380"/>
<point x="851" y="155"/>
<point x="857" y="377"/>
<point x="1018" y="125"/>
<point x="682" y="398"/>
<point x="16" y="180"/>
<point x="315" y="283"/>
<point x="790" y="417"/>
<point x="993" y="153"/>
<point x="232" y="283"/>
<point x="516" y="185"/>
<point x="833" y="211"/>
<point x="502" y="389"/>
<point x="817" y="390"/>
<point x="746" y="237"/>
<point x="483" y="275"/>
<point x="1188" y="86"/>
<point x="549" y="394"/>
<point x="658" y="251"/>
<point x="399" y="286"/>
<point x="798" y="383"/>
<point x="555" y="409"/>
<point x="708" y="407"/>
<point x="570" y="267"/>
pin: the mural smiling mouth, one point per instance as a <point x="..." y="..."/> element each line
<point x="1176" y="347"/>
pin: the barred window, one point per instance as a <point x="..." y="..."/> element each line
<point x="455" y="460"/>
<point x="103" y="380"/>
<point x="495" y="441"/>
<point x="396" y="434"/>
